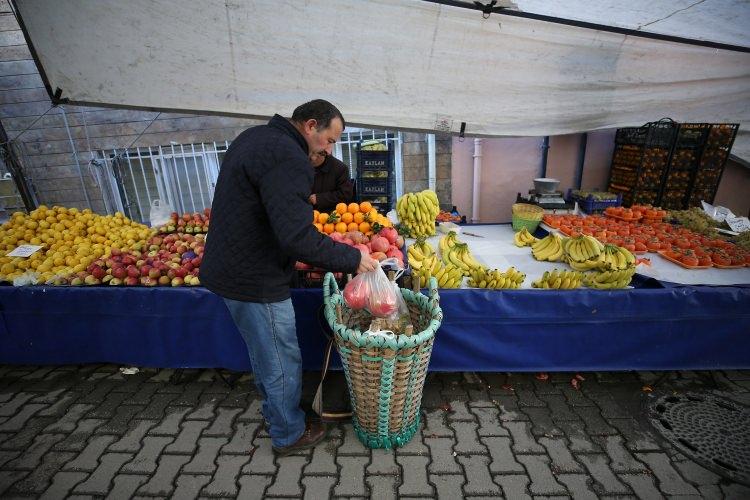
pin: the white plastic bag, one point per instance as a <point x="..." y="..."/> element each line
<point x="375" y="292"/>
<point x="161" y="213"/>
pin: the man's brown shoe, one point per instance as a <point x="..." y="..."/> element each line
<point x="314" y="433"/>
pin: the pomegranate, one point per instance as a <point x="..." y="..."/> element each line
<point x="357" y="293"/>
<point x="379" y="244"/>
<point x="390" y="234"/>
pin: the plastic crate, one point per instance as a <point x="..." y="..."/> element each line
<point x="374" y="187"/>
<point x="590" y="205"/>
<point x="374" y="160"/>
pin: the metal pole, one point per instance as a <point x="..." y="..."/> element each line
<point x="477" y="186"/>
<point x="581" y="159"/>
<point x="75" y="156"/>
<point x="545" y="149"/>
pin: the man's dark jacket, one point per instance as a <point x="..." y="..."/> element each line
<point x="332" y="185"/>
<point x="261" y="218"/>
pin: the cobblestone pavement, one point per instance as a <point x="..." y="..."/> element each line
<point x="90" y="431"/>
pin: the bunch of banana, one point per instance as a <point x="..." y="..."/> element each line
<point x="494" y="279"/>
<point x="418" y="252"/>
<point x="559" y="280"/>
<point x="417" y="212"/>
<point x="457" y="254"/>
<point x="549" y="248"/>
<point x="584" y="253"/>
<point x="618" y="278"/>
<point x="447" y="276"/>
<point x="524" y="238"/>
<point x="616" y="257"/>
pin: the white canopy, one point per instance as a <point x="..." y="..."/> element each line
<point x="406" y="64"/>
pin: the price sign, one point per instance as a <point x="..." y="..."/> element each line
<point x="25" y="251"/>
<point x="739" y="224"/>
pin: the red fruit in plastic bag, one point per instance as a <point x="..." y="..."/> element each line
<point x="383" y="305"/>
<point x="357" y="293"/>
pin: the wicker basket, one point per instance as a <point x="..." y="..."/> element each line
<point x="526" y="215"/>
<point x="385" y="375"/>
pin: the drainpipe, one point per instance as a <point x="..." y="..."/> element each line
<point x="75" y="157"/>
<point x="431" y="162"/>
<point x="477" y="180"/>
<point x="581" y="159"/>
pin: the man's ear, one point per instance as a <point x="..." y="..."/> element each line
<point x="311" y="124"/>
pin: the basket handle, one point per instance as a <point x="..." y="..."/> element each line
<point x="433" y="294"/>
<point x="330" y="286"/>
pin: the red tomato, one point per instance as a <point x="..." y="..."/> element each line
<point x="704" y="260"/>
<point x="640" y="246"/>
<point x="689" y="260"/>
<point x="721" y="259"/>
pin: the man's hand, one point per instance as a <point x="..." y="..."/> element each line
<point x="313" y="199"/>
<point x="367" y="264"/>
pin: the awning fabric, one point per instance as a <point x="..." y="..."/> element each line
<point x="401" y="63"/>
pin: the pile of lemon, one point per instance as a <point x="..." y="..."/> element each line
<point x="70" y="238"/>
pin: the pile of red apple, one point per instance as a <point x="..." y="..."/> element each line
<point x="384" y="245"/>
<point x="171" y="260"/>
<point x="194" y="223"/>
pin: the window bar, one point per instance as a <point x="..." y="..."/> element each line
<point x="135" y="186"/>
<point x="187" y="176"/>
<point x="118" y="174"/>
<point x="176" y="182"/>
<point x="209" y="174"/>
<point x="143" y="171"/>
<point x="198" y="174"/>
<point x="398" y="165"/>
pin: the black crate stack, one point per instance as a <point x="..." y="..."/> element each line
<point x="375" y="178"/>
<point x="669" y="164"/>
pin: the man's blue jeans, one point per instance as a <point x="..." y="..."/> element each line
<point x="271" y="337"/>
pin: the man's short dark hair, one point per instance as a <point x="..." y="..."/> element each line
<point x="319" y="110"/>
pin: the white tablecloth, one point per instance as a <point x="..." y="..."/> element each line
<point x="496" y="250"/>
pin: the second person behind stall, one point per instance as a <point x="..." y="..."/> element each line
<point x="332" y="184"/>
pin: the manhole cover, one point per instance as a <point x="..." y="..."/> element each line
<point x="713" y="431"/>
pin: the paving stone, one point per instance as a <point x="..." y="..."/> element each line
<point x="242" y="439"/>
<point x="170" y="425"/>
<point x="559" y="408"/>
<point x="696" y="474"/>
<point x="595" y="424"/>
<point x="431" y="395"/>
<point x="523" y="439"/>
<point x="459" y="412"/>
<point x="435" y="424"/>
<point x="509" y="410"/>
<point x="503" y="460"/>
<point x="542" y="480"/>
<point x="14" y="405"/>
<point x="580" y="442"/>
<point x="670" y="481"/>
<point x="541" y="421"/>
<point x="577" y="485"/>
<point x="157" y="406"/>
<point x="489" y="422"/>
<point x="253" y="412"/>
<point x="161" y="482"/>
<point x="99" y="482"/>
<point x="49" y="397"/>
<point x="620" y="458"/>
<point x="143" y="396"/>
<point x="478" y="478"/>
<point x="443" y="459"/>
<point x="323" y="458"/>
<point x="222" y="425"/>
<point x="61" y="406"/>
<point x="642" y="485"/>
<point x="262" y="459"/>
<point x="416" y="445"/>
<point x="254" y="487"/>
<point x="713" y="491"/>
<point x="466" y="438"/>
<point x="562" y="459"/>
<point x="636" y="437"/>
<point x="382" y="486"/>
<point x="352" y="476"/>
<point x="514" y="486"/>
<point x="414" y="474"/>
<point x="9" y="477"/>
<point x="125" y="485"/>
<point x="62" y="483"/>
<point x="17" y="421"/>
<point x="131" y="442"/>
<point x="383" y="462"/>
<point x="77" y="439"/>
<point x="95" y="392"/>
<point x="189" y="395"/>
<point x="527" y="398"/>
<point x="735" y="491"/>
<point x="32" y="457"/>
<point x="317" y="487"/>
<point x="598" y="467"/>
<point x="448" y="485"/>
<point x="145" y="462"/>
<point x="190" y="485"/>
<point x="108" y="408"/>
<point x="204" y="461"/>
<point x="7" y="456"/>
<point x="609" y="407"/>
<point x="22" y="439"/>
<point x="120" y="423"/>
<point x="187" y="440"/>
<point x="88" y="459"/>
<point x="351" y="444"/>
<point x="41" y="477"/>
<point x="225" y="479"/>
<point x="206" y="411"/>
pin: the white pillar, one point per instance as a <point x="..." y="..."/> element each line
<point x="477" y="185"/>
<point x="431" y="161"/>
